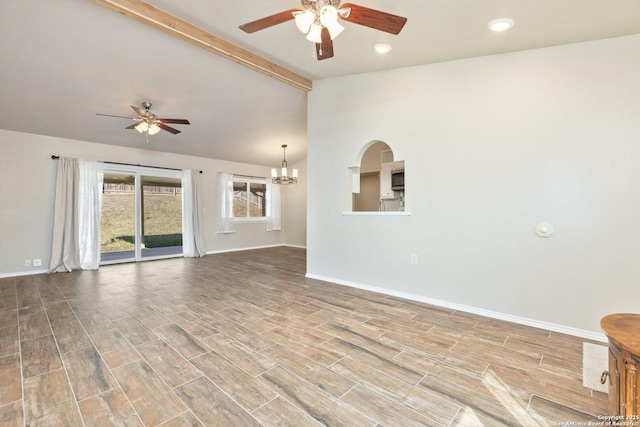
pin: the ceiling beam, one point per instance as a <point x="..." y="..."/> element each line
<point x="163" y="21"/>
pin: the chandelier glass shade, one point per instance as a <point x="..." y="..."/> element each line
<point x="304" y="20"/>
<point x="284" y="177"/>
<point x="329" y="19"/>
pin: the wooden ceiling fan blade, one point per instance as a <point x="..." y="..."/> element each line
<point x="375" y="19"/>
<point x="111" y="115"/>
<point x="268" y="21"/>
<point x="324" y="50"/>
<point x="167" y="128"/>
<point x="176" y="121"/>
<point x="133" y="126"/>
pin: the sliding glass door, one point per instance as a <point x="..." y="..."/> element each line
<point x="118" y="217"/>
<point x="141" y="214"/>
<point x="161" y="216"/>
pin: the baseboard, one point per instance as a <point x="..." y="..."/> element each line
<point x="23" y="273"/>
<point x="581" y="333"/>
<point x="250" y="248"/>
<point x="34" y="272"/>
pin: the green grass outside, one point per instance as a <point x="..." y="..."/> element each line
<point x="162" y="223"/>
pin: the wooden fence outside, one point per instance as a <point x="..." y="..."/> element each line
<point x="148" y="189"/>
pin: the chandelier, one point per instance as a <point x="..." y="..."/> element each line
<point x="318" y="14"/>
<point x="284" y="178"/>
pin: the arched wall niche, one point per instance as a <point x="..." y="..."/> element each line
<point x="372" y="178"/>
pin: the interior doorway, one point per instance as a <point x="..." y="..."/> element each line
<point x="141" y="215"/>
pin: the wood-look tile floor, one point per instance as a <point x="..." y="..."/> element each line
<point x="243" y="339"/>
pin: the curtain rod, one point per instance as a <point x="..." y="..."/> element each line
<point x="54" y="157"/>
<point x="249" y="176"/>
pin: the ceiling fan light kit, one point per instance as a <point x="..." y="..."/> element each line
<point x="318" y="19"/>
<point x="143" y="127"/>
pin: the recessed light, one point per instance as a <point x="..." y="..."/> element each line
<point x="382" y="48"/>
<point x="500" y="24"/>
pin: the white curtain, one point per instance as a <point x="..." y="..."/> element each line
<point x="89" y="207"/>
<point x="76" y="222"/>
<point x="192" y="225"/>
<point x="225" y="203"/>
<point x="274" y="221"/>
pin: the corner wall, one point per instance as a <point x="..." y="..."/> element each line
<point x="294" y="208"/>
<point x="492" y="146"/>
<point x="27" y="187"/>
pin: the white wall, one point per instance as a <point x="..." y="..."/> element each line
<point x="492" y="146"/>
<point x="27" y="186"/>
<point x="294" y="208"/>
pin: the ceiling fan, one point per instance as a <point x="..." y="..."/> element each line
<point x="318" y="19"/>
<point x="149" y="123"/>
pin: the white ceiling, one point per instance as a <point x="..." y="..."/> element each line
<point x="63" y="61"/>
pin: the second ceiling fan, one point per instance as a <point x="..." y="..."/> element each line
<point x="318" y="19"/>
<point x="149" y="123"/>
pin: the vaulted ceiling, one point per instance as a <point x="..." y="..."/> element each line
<point x="62" y="62"/>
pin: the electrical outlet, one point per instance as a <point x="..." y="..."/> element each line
<point x="37" y="262"/>
<point x="27" y="263"/>
<point x="414" y="259"/>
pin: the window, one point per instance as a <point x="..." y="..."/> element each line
<point x="249" y="199"/>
